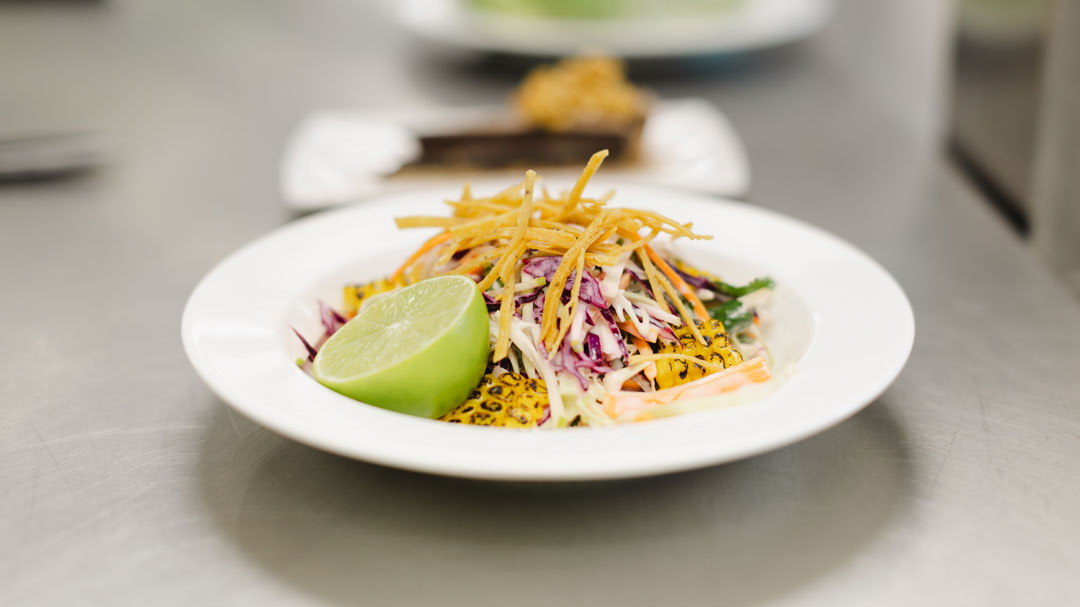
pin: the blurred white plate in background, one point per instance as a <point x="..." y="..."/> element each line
<point x="746" y="26"/>
<point x="839" y="321"/>
<point x="338" y="157"/>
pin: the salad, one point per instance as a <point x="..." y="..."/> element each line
<point x="593" y="321"/>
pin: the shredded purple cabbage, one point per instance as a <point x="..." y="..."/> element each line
<point x="538" y="309"/>
<point x="636" y="275"/>
<point x="331" y="320"/>
<point x="541" y="266"/>
<point x="592" y="345"/>
<point x="641" y="280"/>
<point x="591" y="355"/>
<point x="564" y="360"/>
<point x="583" y="360"/>
<point x="590" y="290"/>
<point x="546" y="267"/>
<point x="698" y="282"/>
<point x="526" y="298"/>
<point x="618" y="336"/>
<point x="572" y="362"/>
<point x="665" y="331"/>
<point x="311" y="351"/>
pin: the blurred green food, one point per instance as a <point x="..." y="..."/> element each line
<point x="606" y="9"/>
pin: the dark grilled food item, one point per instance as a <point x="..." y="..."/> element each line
<point x="510" y="400"/>
<point x="497" y="149"/>
<point x="562" y="114"/>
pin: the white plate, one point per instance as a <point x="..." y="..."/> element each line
<point x="754" y="25"/>
<point x="686" y="143"/>
<point x="842" y="325"/>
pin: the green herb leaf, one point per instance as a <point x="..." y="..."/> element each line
<point x="733" y="315"/>
<point x="763" y="282"/>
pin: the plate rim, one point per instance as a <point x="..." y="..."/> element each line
<point x="405" y="11"/>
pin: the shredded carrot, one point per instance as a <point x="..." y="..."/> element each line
<point x="733" y="378"/>
<point x="638" y="340"/>
<point x="680" y="284"/>
<point x="643" y="346"/>
<point x="431" y="243"/>
<point x="632" y="330"/>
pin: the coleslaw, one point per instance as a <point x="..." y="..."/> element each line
<point x="593" y="321"/>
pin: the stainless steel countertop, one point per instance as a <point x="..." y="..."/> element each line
<point x="124" y="481"/>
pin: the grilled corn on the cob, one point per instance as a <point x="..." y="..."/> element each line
<point x="356" y="294"/>
<point x="511" y="400"/>
<point x="717" y="349"/>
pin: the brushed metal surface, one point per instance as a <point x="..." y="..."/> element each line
<point x="1056" y="191"/>
<point x="123" y="481"/>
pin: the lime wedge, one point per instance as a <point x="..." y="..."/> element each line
<point x="419" y="350"/>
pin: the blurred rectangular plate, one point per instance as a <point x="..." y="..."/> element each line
<point x="339" y="157"/>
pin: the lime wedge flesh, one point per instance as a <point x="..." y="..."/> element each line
<point x="419" y="350"/>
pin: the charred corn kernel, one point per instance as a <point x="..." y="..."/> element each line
<point x="355" y="294"/>
<point x="510" y="400"/>
<point x="717" y="349"/>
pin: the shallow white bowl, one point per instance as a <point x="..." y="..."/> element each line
<point x="842" y="329"/>
<point x="749" y="26"/>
